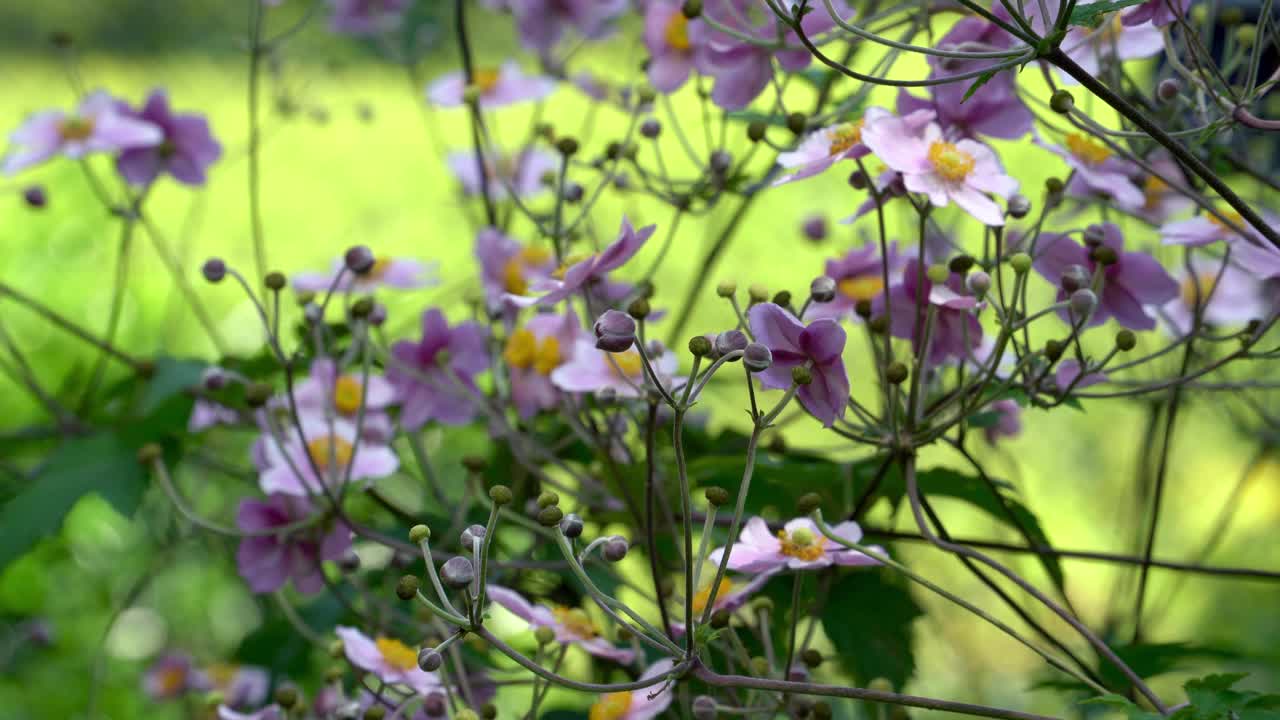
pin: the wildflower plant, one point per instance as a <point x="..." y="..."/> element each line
<point x="618" y="498"/>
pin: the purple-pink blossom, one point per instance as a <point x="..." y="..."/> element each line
<point x="345" y="394"/>
<point x="859" y="276"/>
<point x="542" y="23"/>
<point x="591" y="272"/>
<point x="400" y="273"/>
<point x="519" y="173"/>
<point x="800" y="545"/>
<point x="506" y="85"/>
<point x="592" y="370"/>
<point x="367" y="17"/>
<point x="1222" y="294"/>
<point x="571" y="625"/>
<point x="508" y="267"/>
<point x="435" y="375"/>
<point x="676" y="44"/>
<point x="818" y="345"/>
<point x="186" y="151"/>
<point x="325" y="455"/>
<point x="274" y="554"/>
<point x="99" y="124"/>
<point x="390" y="660"/>
<point x="532" y="355"/>
<point x="955" y="332"/>
<point x="644" y="704"/>
<point x="1098" y="171"/>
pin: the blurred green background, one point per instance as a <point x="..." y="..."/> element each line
<point x="350" y="155"/>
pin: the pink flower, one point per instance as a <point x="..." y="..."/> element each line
<point x="1098" y="171"/>
<point x="825" y="147"/>
<point x="331" y="450"/>
<point x="1224" y="295"/>
<point x="793" y="344"/>
<point x="400" y="273"/>
<point x="798" y="546"/>
<point x="268" y="561"/>
<point x="1114" y="40"/>
<point x="522" y="173"/>
<point x="589" y="272"/>
<point x="1160" y="201"/>
<point x="100" y="124"/>
<point x="1206" y="229"/>
<point x="532" y="355"/>
<point x="186" y="152"/>
<point x="676" y="44"/>
<point x="963" y="171"/>
<point x="325" y="390"/>
<point x="593" y="370"/>
<point x="1261" y="260"/>
<point x="731" y="596"/>
<point x="571" y="625"/>
<point x="505" y="86"/>
<point x="435" y="376"/>
<point x="367" y="17"/>
<point x="643" y="704"/>
<point x="390" y="660"/>
<point x="859" y="276"/>
<point x="270" y="712"/>
<point x="509" y="267"/>
<point x="543" y="22"/>
<point x="1008" y="421"/>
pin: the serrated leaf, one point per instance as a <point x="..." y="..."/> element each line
<point x="1091" y="15"/>
<point x="875" y="641"/>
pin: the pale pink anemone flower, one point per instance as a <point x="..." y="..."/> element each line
<point x="1206" y="229"/>
<point x="522" y="172"/>
<point x="1159" y="200"/>
<point x="1225" y="296"/>
<point x="829" y="145"/>
<point x="1114" y="40"/>
<point x="505" y="85"/>
<point x="1098" y="171"/>
<point x="592" y="370"/>
<point x="1261" y="260"/>
<point x="676" y="45"/>
<point x="399" y="273"/>
<point x="962" y="172"/>
<point x="642" y="704"/>
<point x="1068" y="376"/>
<point x="390" y="660"/>
<point x="572" y="626"/>
<point x="532" y="353"/>
<point x="327" y="390"/>
<point x="99" y="124"/>
<point x="798" y="546"/>
<point x="332" y="449"/>
<point x="732" y="595"/>
<point x="591" y="272"/>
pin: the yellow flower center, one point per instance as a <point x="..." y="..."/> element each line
<point x="844" y="137"/>
<point x="701" y="597"/>
<point x="576" y="621"/>
<point x="949" y="161"/>
<point x="330" y="447"/>
<point x="1089" y="150"/>
<point x="568" y="263"/>
<point x="1153" y="191"/>
<point x="627" y="363"/>
<point x="347" y="392"/>
<point x="867" y="287"/>
<point x="1196" y="290"/>
<point x="380" y="267"/>
<point x="677" y="31"/>
<point x="531" y="255"/>
<point x="396" y="654"/>
<point x="802" y="544"/>
<point x="221" y="674"/>
<point x="1231" y="215"/>
<point x="75" y="128"/>
<point x="485" y="79"/>
<point x="513" y="279"/>
<point x="171" y="680"/>
<point x="524" y="350"/>
<point x="611" y="706"/>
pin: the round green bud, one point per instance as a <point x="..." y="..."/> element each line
<point x="149" y="453"/>
<point x="257" y="394"/>
<point x="756" y="131"/>
<point x="377" y="712"/>
<point x="796" y="123"/>
<point x="782" y="298"/>
<point x="407" y="587"/>
<point x="500" y="495"/>
<point x="1231" y="15"/>
<point x="937" y="274"/>
<point x="1104" y="255"/>
<point x="419" y="533"/>
<point x="544" y="635"/>
<point x="1247" y="35"/>
<point x="645" y="94"/>
<point x="287" y="697"/>
<point x="757" y="293"/>
<point x="489" y="711"/>
<point x="720" y="619"/>
<point x="567" y="146"/>
<point x="811" y="657"/>
<point x="638" y="309"/>
<point x="961" y="264"/>
<point x="1021" y="263"/>
<point x="274" y="280"/>
<point x="700" y="346"/>
<point x="1053" y="349"/>
<point x="1199" y="13"/>
<point x="801" y="375"/>
<point x="1126" y="340"/>
<point x="362" y="307"/>
<point x="466" y="714"/>
<point x="336" y="648"/>
<point x="896" y="373"/>
<point x="759" y="666"/>
<point x="760" y="603"/>
<point x="305" y="297"/>
<point x="334" y="673"/>
<point x="726" y="288"/>
<point x="547" y="498"/>
<point x="716" y="495"/>
<point x="808" y="502"/>
<point x="880" y="684"/>
<point x="1054" y="185"/>
<point x="1061" y="101"/>
<point x="550" y="516"/>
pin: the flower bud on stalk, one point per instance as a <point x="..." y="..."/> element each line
<point x="731" y="341"/>
<point x="457" y="572"/>
<point x="615" y="331"/>
<point x="822" y="289"/>
<point x="815" y="228"/>
<point x="757" y="357"/>
<point x="571" y="526"/>
<point x="359" y="259"/>
<point x="615" y="548"/>
<point x="979" y="283"/>
<point x="472" y="535"/>
<point x="1083" y="302"/>
<point x="407" y="587"/>
<point x="429" y="660"/>
<point x="700" y="346"/>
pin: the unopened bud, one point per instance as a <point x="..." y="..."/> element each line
<point x="571" y="526"/>
<point x="1054" y="185"/>
<point x="1168" y="89"/>
<point x="471" y="535"/>
<point x="1126" y="340"/>
<point x="1074" y="278"/>
<point x="757" y="294"/>
<point x="544" y="635"/>
<point x="961" y="264"/>
<point x="782" y="298"/>
<point x="716" y="496"/>
<point x="500" y="495"/>
<point x="475" y="463"/>
<point x="731" y="341"/>
<point x="796" y="123"/>
<point x="801" y="375"/>
<point x="1104" y="255"/>
<point x="691" y="8"/>
<point x="550" y="516"/>
<point x="149" y="453"/>
<point x="615" y="548"/>
<point x="720" y="162"/>
<point x="1083" y="302"/>
<point x="257" y="394"/>
<point x="419" y="533"/>
<point x="429" y="659"/>
<point x="808" y="503"/>
<point x="756" y="131"/>
<point x="639" y="308"/>
<point x="979" y="283"/>
<point x="896" y="373"/>
<point x="757" y="357"/>
<point x="650" y="128"/>
<point x="720" y="619"/>
<point x="704" y="708"/>
<point x="1053" y="349"/>
<point x="822" y="289"/>
<point x="815" y="228"/>
<point x="1019" y="206"/>
<point x="359" y="259"/>
<point x="457" y="572"/>
<point x="407" y="587"/>
<point x="726" y="288"/>
<point x="274" y="280"/>
<point x="700" y="346"/>
<point x="759" y="666"/>
<point x="1061" y="101"/>
<point x="567" y="146"/>
<point x="1094" y="235"/>
<point x="214" y="269"/>
<point x="1021" y="263"/>
<point x="34" y="196"/>
<point x="615" y="331"/>
<point x="287" y="696"/>
<point x="547" y="498"/>
<point x="811" y="658"/>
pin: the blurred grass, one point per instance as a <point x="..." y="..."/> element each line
<point x="333" y="178"/>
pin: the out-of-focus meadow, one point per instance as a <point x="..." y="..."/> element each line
<point x="351" y="155"/>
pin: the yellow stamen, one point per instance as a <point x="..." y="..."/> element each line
<point x="611" y="706"/>
<point x="513" y="279"/>
<point x="323" y="448"/>
<point x="628" y="362"/>
<point x="576" y="621"/>
<point x="568" y="263"/>
<point x="396" y="654"/>
<point x="677" y="31"/>
<point x="380" y="268"/>
<point x="547" y="357"/>
<point x="949" y="161"/>
<point x="485" y="79"/>
<point x="533" y="255"/>
<point x="1090" y="151"/>
<point x="221" y="674"/>
<point x="867" y="287"/>
<point x="1196" y="290"/>
<point x="521" y="350"/>
<point x="1231" y="215"/>
<point x="801" y="544"/>
<point x="844" y="137"/>
<point x="171" y="680"/>
<point x="701" y="597"/>
<point x="76" y="128"/>
<point x="1153" y="191"/>
<point x="346" y="394"/>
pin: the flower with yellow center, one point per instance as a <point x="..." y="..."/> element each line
<point x="1231" y="215"/>
<point x="76" y="128"/>
<point x="222" y="674"/>
<point x="347" y="394"/>
<point x="801" y="543"/>
<point x="844" y="136"/>
<point x="949" y="161"/>
<point x="1086" y="149"/>
<point x="1197" y="290"/>
<point x="524" y="350"/>
<point x="625" y="364"/>
<point x="485" y="79"/>
<point x="701" y="597"/>
<point x="514" y="279"/>
<point x="171" y="680"/>
<point x="330" y="447"/>
<point x="396" y="654"/>
<point x="611" y="706"/>
<point x="576" y="621"/>
<point x="1153" y="191"/>
<point x="677" y="31"/>
<point x="867" y="287"/>
<point x="564" y="266"/>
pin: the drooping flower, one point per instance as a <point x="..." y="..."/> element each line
<point x="508" y="267"/>
<point x="591" y="370"/>
<point x="99" y="124"/>
<point x="533" y="353"/>
<point x="963" y="171"/>
<point x="435" y="375"/>
<point x="521" y="172"/>
<point x="955" y="333"/>
<point x="506" y="85"/>
<point x="542" y="23"/>
<point x="571" y="625"/>
<point x="267" y="560"/>
<point x="676" y="44"/>
<point x="591" y="272"/>
<point x="1133" y="281"/>
<point x="798" y="546"/>
<point x="325" y="455"/>
<point x="390" y="660"/>
<point x="1224" y="295"/>
<point x="399" y="273"/>
<point x="367" y="17"/>
<point x="186" y="151"/>
<point x="240" y="685"/>
<point x="818" y="345"/>
<point x="644" y="704"/>
<point x="1098" y="171"/>
<point x="859" y="276"/>
<point x="326" y="390"/>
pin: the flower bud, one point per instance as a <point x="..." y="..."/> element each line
<point x="286" y="696"/>
<point x="691" y="8"/>
<point x="573" y="193"/>
<point x="466" y="714"/>
<point x="815" y="228"/>
<point x="488" y="711"/>
<point x="435" y="705"/>
<point x="896" y="373"/>
<point x="796" y="123"/>
<point x="720" y="619"/>
<point x="471" y="535"/>
<point x="782" y="298"/>
<point x="34" y="196"/>
<point x="757" y="357"/>
<point x="336" y="648"/>
<point x="571" y="526"/>
<point x="1094" y="235"/>
<point x="700" y="346"/>
<point x="639" y="308"/>
<point x="720" y="162"/>
<point x="362" y="308"/>
<point x="274" y="280"/>
<point x="961" y="264"/>
<point x="1126" y="340"/>
<point x="615" y="331"/>
<point x="811" y="658"/>
<point x="457" y="572"/>
<point x="349" y="562"/>
<point x="615" y="548"/>
<point x="704" y="708"/>
<point x="567" y="146"/>
<point x="1020" y="262"/>
<point x="757" y="294"/>
<point x="808" y="502"/>
<point x="1168" y="89"/>
<point x="378" y="315"/>
<point x="863" y="308"/>
<point x="1053" y="349"/>
<point x="759" y="666"/>
<point x="1054" y="185"/>
<point x="716" y="496"/>
<point x="979" y="283"/>
<point x="650" y="128"/>
<point x="257" y="394"/>
<point x="937" y="274"/>
<point x="429" y="659"/>
<point x="1104" y="255"/>
<point x="726" y="288"/>
<point x="858" y="180"/>
<point x="801" y="375"/>
<point x="214" y="269"/>
<point x="1061" y="101"/>
<point x="149" y="453"/>
<point x="407" y="587"/>
<point x="822" y="289"/>
<point x="1074" y="278"/>
<point x="1083" y="302"/>
<point x="756" y="131"/>
<point x="731" y="341"/>
<point x="419" y="534"/>
<point x="1019" y="206"/>
<point x="378" y="712"/>
<point x="547" y="498"/>
<point x="500" y="495"/>
<point x="550" y="516"/>
<point x="544" y="635"/>
<point x="359" y="259"/>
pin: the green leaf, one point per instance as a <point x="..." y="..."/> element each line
<point x="982" y="79"/>
<point x="876" y="640"/>
<point x="1122" y="704"/>
<point x="102" y="463"/>
<point x="276" y="645"/>
<point x="1091" y="15"/>
<point x="171" y="377"/>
